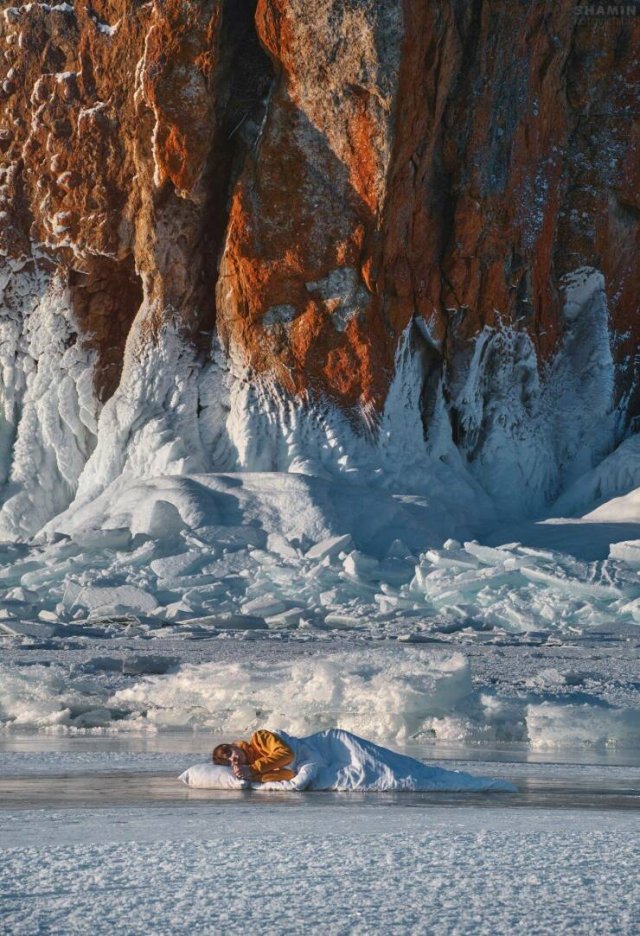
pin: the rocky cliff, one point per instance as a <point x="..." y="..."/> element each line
<point x="240" y="235"/>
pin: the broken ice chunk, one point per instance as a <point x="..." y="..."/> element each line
<point x="451" y="545"/>
<point x="288" y="619"/>
<point x="632" y="608"/>
<point x="177" y="609"/>
<point x="628" y="552"/>
<point x="117" y="538"/>
<point x="330" y="548"/>
<point x="100" y="598"/>
<point x="176" y="565"/>
<point x="34" y="629"/>
<point x="23" y="595"/>
<point x="572" y="586"/>
<point x="265" y="606"/>
<point x="344" y="622"/>
<point x="487" y="554"/>
<point x="451" y="559"/>
<point x="279" y="544"/>
<point x="362" y="568"/>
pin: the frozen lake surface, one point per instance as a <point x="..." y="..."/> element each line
<point x="314" y="862"/>
<point x="123" y="847"/>
<point x="556" y="789"/>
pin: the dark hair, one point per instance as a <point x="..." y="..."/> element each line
<point x="221" y="754"/>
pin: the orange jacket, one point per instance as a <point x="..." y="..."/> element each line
<point x="268" y="756"/>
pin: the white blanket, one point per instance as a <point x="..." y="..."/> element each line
<point x="338" y="760"/>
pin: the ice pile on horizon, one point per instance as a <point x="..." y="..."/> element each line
<point x="389" y="693"/>
<point x="519" y="588"/>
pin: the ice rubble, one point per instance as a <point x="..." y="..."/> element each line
<point x="293" y="553"/>
<point x="393" y="694"/>
<point x="287" y="553"/>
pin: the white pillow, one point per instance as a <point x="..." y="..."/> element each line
<point x="213" y="777"/>
<point x="303" y="779"/>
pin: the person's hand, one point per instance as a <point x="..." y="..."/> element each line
<point x="241" y="771"/>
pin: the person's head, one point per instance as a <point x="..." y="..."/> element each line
<point x="222" y="754"/>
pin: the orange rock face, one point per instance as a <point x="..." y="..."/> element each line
<point x="109" y="120"/>
<point x="444" y="161"/>
<point x="308" y="177"/>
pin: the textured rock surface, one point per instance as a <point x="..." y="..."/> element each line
<point x="306" y="178"/>
<point x="452" y="161"/>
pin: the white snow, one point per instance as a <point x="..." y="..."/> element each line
<point x="105" y="28"/>
<point x="625" y="509"/>
<point x="343" y="293"/>
<point x="332" y="868"/>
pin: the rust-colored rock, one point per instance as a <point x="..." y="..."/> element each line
<point x="109" y="118"/>
<point x="297" y="291"/>
<point x="492" y="153"/>
<point x="338" y="168"/>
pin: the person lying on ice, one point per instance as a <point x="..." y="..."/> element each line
<point x="265" y="757"/>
